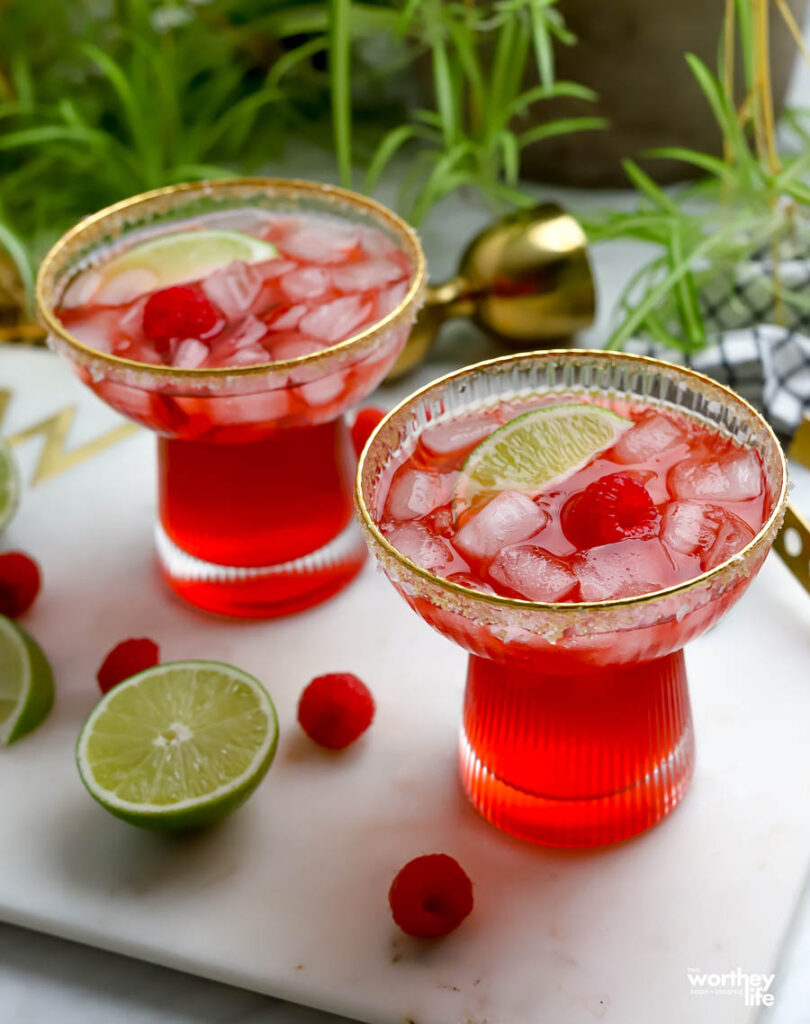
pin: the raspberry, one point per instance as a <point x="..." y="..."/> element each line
<point x="364" y="423"/>
<point x="20" y="581"/>
<point x="127" y="659"/>
<point x="612" y="508"/>
<point x="179" y="312"/>
<point x="335" y="709"/>
<point x="430" y="896"/>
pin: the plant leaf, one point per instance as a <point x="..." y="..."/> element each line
<point x="340" y="81"/>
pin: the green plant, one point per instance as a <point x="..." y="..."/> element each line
<point x="750" y="206"/>
<point x="100" y="99"/>
<point x="481" y="57"/>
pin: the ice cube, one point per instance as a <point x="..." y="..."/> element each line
<point x="335" y="321"/>
<point x="323" y="390"/>
<point x="531" y="572"/>
<point x="293" y="346"/>
<point x="388" y="300"/>
<point x="417" y="543"/>
<point x="126" y="286"/>
<point x="249" y="220"/>
<point x="732" y="536"/>
<point x="288" y="319"/>
<point x="623" y="569"/>
<point x="376" y="243"/>
<point x="414" y="493"/>
<point x="362" y="277"/>
<point x="325" y="243"/>
<point x="733" y="477"/>
<point x="709" y="531"/>
<point x="466" y="579"/>
<point x="652" y="435"/>
<point x="96" y="331"/>
<point x="81" y="289"/>
<point x="511" y="517"/>
<point x="190" y="354"/>
<point x="304" y="283"/>
<point x="460" y="432"/>
<point x="246" y="335"/>
<point x="234" y="288"/>
<point x="131" y="322"/>
<point x="277" y="267"/>
<point x="686" y="527"/>
<point x="248" y="356"/>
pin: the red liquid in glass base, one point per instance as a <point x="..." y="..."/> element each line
<point x="263" y="528"/>
<point x="568" y="748"/>
<point x="577" y="760"/>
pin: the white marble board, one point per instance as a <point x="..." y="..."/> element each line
<point x="289" y="896"/>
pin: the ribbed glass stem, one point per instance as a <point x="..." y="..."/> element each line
<point x="577" y="760"/>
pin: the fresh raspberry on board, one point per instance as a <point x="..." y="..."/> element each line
<point x="430" y="896"/>
<point x="179" y="312"/>
<point x="615" y="507"/>
<point x="364" y="423"/>
<point x="20" y="580"/>
<point x="335" y="709"/>
<point x="127" y="659"/>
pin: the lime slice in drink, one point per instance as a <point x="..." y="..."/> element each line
<point x="537" y="449"/>
<point x="9" y="484"/>
<point x="178" y="746"/>
<point x="188" y="255"/>
<point x="26" y="682"/>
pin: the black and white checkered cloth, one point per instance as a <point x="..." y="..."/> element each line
<point x="768" y="365"/>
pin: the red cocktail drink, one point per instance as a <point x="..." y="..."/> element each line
<point x="239" y="320"/>
<point x="573" y="520"/>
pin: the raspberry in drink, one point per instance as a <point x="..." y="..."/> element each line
<point x="240" y="321"/>
<point x="573" y="538"/>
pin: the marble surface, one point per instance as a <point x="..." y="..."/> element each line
<point x="44" y="979"/>
<point x="288" y="896"/>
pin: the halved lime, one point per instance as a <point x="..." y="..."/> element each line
<point x="178" y="746"/>
<point x="26" y="682"/>
<point x="9" y="484"/>
<point x="538" y="449"/>
<point x="189" y="255"/>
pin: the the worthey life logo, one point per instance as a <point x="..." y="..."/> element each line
<point x="754" y="988"/>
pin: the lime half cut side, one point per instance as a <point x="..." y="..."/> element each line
<point x="9" y="485"/>
<point x="536" y="450"/>
<point x="189" y="255"/>
<point x="26" y="683"/>
<point x="178" y="746"/>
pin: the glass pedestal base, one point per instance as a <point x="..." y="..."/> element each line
<point x="262" y="591"/>
<point x="577" y="760"/>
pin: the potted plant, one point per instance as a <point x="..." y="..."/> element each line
<point x="732" y="250"/>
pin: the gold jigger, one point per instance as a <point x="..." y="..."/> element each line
<point x="525" y="278"/>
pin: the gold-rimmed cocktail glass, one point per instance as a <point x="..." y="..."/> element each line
<point x="577" y="728"/>
<point x="255" y="462"/>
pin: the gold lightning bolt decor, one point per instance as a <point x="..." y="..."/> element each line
<point x="53" y="458"/>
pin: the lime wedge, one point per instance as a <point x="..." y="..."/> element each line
<point x="9" y="484"/>
<point x="537" y="449"/>
<point x="178" y="746"/>
<point x="26" y="682"/>
<point x="189" y="255"/>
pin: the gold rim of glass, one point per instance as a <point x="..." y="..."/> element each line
<point x="49" y="269"/>
<point x="572" y="607"/>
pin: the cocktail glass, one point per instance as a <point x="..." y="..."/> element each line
<point x="255" y="462"/>
<point x="576" y="725"/>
